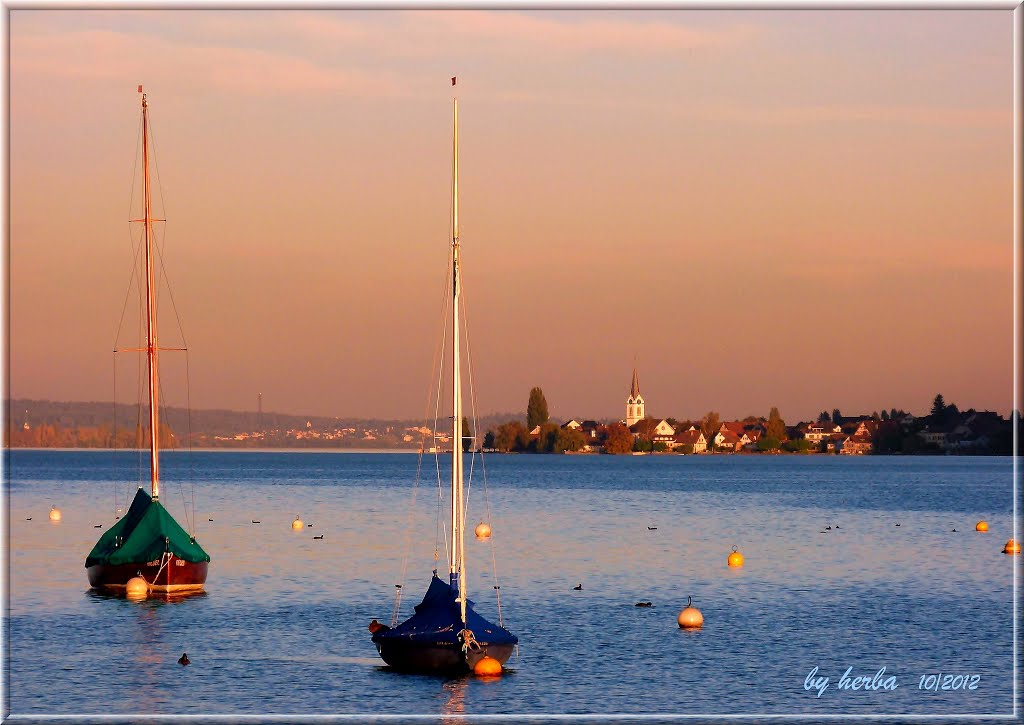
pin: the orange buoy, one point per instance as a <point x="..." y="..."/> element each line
<point x="136" y="588"/>
<point x="482" y="531"/>
<point x="54" y="513"/>
<point x="297" y="524"/>
<point x="981" y="526"/>
<point x="487" y="667"/>
<point x="735" y="558"/>
<point x="690" y="618"/>
<point x="1012" y="547"/>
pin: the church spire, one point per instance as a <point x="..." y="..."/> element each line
<point x="634" y="403"/>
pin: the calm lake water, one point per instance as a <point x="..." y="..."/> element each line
<point x="282" y="628"/>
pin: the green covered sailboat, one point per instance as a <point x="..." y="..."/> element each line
<point x="147" y="542"/>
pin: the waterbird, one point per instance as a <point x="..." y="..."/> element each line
<point x="578" y="587"/>
<point x="828" y="528"/>
<point x="318" y="537"/>
<point x="184" y="660"/>
<point x="256" y="522"/>
<point x="309" y="526"/>
<point x="98" y="526"/>
<point x="954" y="531"/>
<point x="210" y="519"/>
<point x="29" y="518"/>
<point x="643" y="604"/>
<point x="652" y="528"/>
<point x="897" y="524"/>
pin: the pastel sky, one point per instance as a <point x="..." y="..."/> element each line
<point x="808" y="209"/>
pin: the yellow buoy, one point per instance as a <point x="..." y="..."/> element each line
<point x="735" y="558"/>
<point x="297" y="524"/>
<point x="982" y="526"/>
<point x="487" y="667"/>
<point x="482" y="531"/>
<point x="690" y="618"/>
<point x="54" y="513"/>
<point x="1012" y="547"/>
<point x="136" y="588"/>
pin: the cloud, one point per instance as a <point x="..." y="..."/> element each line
<point x="104" y="55"/>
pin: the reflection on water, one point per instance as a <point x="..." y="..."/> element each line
<point x="455" y="704"/>
<point x="281" y="627"/>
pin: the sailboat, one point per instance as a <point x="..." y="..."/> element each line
<point x="147" y="542"/>
<point x="446" y="635"/>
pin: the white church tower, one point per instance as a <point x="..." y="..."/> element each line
<point x="634" y="403"/>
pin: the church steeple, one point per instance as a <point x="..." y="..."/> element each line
<point x="635" y="402"/>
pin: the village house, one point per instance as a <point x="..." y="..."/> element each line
<point x="691" y="437"/>
<point x="653" y="430"/>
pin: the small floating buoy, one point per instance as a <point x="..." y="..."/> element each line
<point x="578" y="587"/>
<point x="184" y="660"/>
<point x="690" y="618"/>
<point x="735" y="558"/>
<point x="483" y="531"/>
<point x="981" y="526"/>
<point x="297" y="524"/>
<point x="136" y="588"/>
<point x="487" y="667"/>
<point x="55" y="514"/>
<point x="1012" y="547"/>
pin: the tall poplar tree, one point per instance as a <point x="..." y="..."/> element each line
<point x="536" y="409"/>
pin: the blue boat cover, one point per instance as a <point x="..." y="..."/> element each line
<point x="437" y="620"/>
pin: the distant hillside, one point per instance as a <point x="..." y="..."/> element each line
<point x="216" y="427"/>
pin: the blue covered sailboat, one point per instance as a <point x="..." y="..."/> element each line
<point x="446" y="634"/>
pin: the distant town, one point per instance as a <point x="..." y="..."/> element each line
<point x="944" y="429"/>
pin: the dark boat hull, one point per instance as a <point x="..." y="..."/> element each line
<point x="177" y="576"/>
<point x="437" y="658"/>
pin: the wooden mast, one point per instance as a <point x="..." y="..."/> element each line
<point x="151" y="342"/>
<point x="458" y="559"/>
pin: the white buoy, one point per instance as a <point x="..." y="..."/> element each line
<point x="482" y="531"/>
<point x="297" y="524"/>
<point x="136" y="588"/>
<point x="54" y="513"/>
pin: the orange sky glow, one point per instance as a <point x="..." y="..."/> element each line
<point x="807" y="209"/>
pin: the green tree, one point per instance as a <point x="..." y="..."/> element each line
<point x="545" y="440"/>
<point x="509" y="436"/>
<point x="619" y="440"/>
<point x="536" y="409"/>
<point x="467" y="435"/>
<point x="938" y="407"/>
<point x="489" y="440"/>
<point x="709" y="425"/>
<point x="837" y="417"/>
<point x="824" y="417"/>
<point x="776" y="427"/>
<point x="885" y="415"/>
<point x="569" y="439"/>
<point x="768" y="444"/>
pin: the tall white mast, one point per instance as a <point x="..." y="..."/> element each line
<point x="458" y="559"/>
<point x="151" y="343"/>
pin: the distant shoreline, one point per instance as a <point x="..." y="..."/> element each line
<point x="222" y="450"/>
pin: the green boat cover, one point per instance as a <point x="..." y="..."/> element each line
<point x="144" y="534"/>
